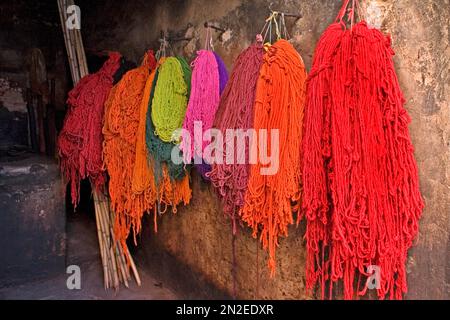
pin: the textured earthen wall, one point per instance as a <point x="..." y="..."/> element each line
<point x="199" y="236"/>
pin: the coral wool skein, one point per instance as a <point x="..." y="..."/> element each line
<point x="236" y="112"/>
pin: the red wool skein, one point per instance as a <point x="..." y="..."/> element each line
<point x="80" y="141"/>
<point x="361" y="193"/>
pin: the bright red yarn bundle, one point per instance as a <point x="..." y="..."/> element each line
<point x="80" y="141"/>
<point x="361" y="192"/>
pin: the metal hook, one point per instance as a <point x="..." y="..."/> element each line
<point x="212" y="26"/>
<point x="286" y="14"/>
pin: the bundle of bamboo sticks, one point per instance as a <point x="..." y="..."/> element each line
<point x="116" y="259"/>
<point x="116" y="263"/>
<point x="74" y="43"/>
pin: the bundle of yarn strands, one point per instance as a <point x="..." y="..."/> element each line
<point x="149" y="174"/>
<point x="236" y="112"/>
<point x="172" y="80"/>
<point x="168" y="96"/>
<point x="361" y="191"/>
<point x="80" y="141"/>
<point x="273" y="193"/>
<point x="208" y="80"/>
<point x="120" y="129"/>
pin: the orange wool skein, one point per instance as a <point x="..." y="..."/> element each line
<point x="120" y="132"/>
<point x="280" y="96"/>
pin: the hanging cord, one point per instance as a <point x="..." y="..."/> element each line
<point x="351" y="13"/>
<point x="268" y="29"/>
<point x="279" y="25"/>
<point x="165" y="47"/>
<point x="287" y="36"/>
<point x="209" y="44"/>
<point x="161" y="53"/>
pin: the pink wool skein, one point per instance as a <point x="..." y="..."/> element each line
<point x="203" y="102"/>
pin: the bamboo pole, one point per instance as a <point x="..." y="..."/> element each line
<point x="69" y="43"/>
<point x="66" y="41"/>
<point x="133" y="267"/>
<point x="104" y="243"/>
<point x="100" y="241"/>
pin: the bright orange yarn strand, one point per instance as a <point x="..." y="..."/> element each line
<point x="279" y="103"/>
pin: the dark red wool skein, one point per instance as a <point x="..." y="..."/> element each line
<point x="80" y="141"/>
<point x="236" y="112"/>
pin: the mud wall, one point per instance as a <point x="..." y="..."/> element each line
<point x="198" y="236"/>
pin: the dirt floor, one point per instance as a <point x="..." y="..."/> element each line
<point x="82" y="250"/>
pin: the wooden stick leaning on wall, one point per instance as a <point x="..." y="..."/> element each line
<point x="116" y="263"/>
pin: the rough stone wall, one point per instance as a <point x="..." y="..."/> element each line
<point x="199" y="236"/>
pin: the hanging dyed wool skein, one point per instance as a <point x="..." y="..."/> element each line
<point x="361" y="192"/>
<point x="273" y="192"/>
<point x="120" y="129"/>
<point x="171" y="179"/>
<point x="159" y="150"/>
<point x="144" y="177"/>
<point x="223" y="73"/>
<point x="80" y="141"/>
<point x="204" y="168"/>
<point x="143" y="181"/>
<point x="236" y="112"/>
<point x="170" y="99"/>
<point x="203" y="103"/>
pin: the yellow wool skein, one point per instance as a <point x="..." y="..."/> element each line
<point x="170" y="99"/>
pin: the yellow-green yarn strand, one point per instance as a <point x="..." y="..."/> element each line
<point x="169" y="100"/>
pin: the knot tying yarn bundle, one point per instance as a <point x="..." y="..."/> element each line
<point x="80" y="141"/>
<point x="170" y="99"/>
<point x="122" y="117"/>
<point x="236" y="112"/>
<point x="361" y="193"/>
<point x="203" y="103"/>
<point x="279" y="102"/>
